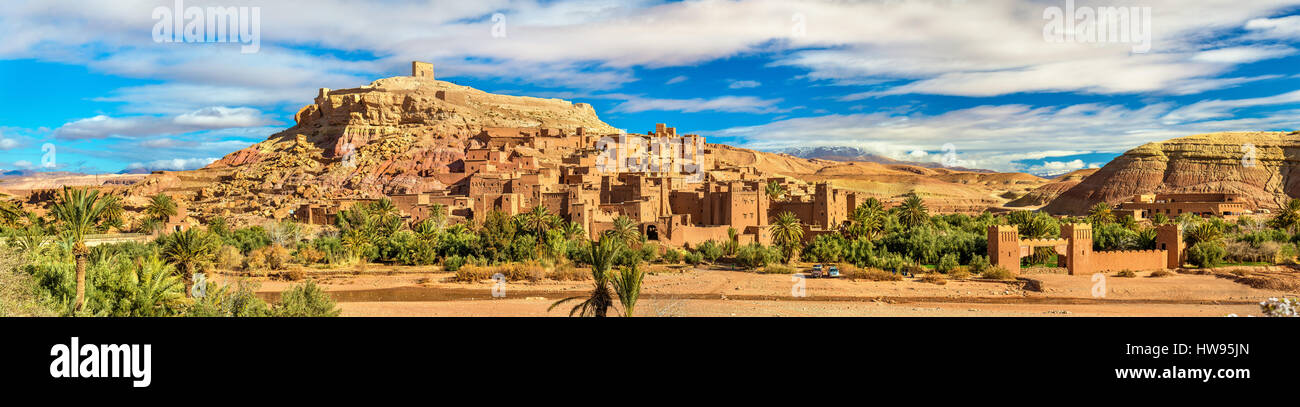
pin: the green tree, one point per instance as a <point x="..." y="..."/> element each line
<point x="189" y="249"/>
<point x="601" y="256"/>
<point x="627" y="284"/>
<point x="625" y="230"/>
<point x="912" y="212"/>
<point x="787" y="232"/>
<point x="79" y="212"/>
<point x="1101" y="213"/>
<point x="161" y="207"/>
<point x="1287" y="217"/>
<point x="775" y="190"/>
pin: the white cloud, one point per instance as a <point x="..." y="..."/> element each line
<point x="8" y="143"/>
<point x="997" y="136"/>
<point x="735" y="104"/>
<point x="1054" y="168"/>
<point x="990" y="48"/>
<point x="1275" y="28"/>
<point x="175" y="164"/>
<point x="744" y="84"/>
<point x="676" y="79"/>
<point x="208" y="118"/>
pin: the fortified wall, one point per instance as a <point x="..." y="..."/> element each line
<point x="1074" y="250"/>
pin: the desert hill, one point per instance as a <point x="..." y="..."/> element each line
<point x="1047" y="192"/>
<point x="1214" y="162"/>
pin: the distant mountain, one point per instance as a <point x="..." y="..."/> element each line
<point x="854" y="154"/>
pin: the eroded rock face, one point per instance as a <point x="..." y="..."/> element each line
<point x="1215" y="162"/>
<point x="384" y="138"/>
<point x="1045" y="194"/>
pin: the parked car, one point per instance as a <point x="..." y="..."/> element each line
<point x="816" y="271"/>
<point x="833" y="272"/>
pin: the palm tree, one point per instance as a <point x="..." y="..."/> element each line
<point x="161" y="207"/>
<point x="572" y="230"/>
<point x="1159" y="219"/>
<point x="787" y="232"/>
<point x="79" y="212"/>
<point x="913" y="212"/>
<point x="1101" y="213"/>
<point x="625" y="230"/>
<point x="188" y="249"/>
<point x="28" y="239"/>
<point x="601" y="256"/>
<point x="775" y="190"/>
<point x="1202" y="232"/>
<point x="538" y="221"/>
<point x="156" y="286"/>
<point x="867" y="220"/>
<point x="1287" y="217"/>
<point x="627" y="284"/>
<point x="383" y="208"/>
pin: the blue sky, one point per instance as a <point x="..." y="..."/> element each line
<point x="898" y="79"/>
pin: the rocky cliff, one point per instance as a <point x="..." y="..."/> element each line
<point x="1262" y="166"/>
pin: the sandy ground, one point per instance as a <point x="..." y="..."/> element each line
<point x="412" y="291"/>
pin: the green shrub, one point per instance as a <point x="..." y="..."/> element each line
<point x="947" y="263"/>
<point x="671" y="256"/>
<point x="755" y="256"/>
<point x="693" y="259"/>
<point x="1206" y="254"/>
<point x="1161" y="273"/>
<point x="979" y="263"/>
<point x="710" y="250"/>
<point x="1126" y="274"/>
<point x="453" y="263"/>
<point x="305" y="300"/>
<point x="238" y="300"/>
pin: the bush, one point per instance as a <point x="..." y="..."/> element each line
<point x="979" y="263"/>
<point x="1161" y="273"/>
<point x="959" y="274"/>
<point x="947" y="263"/>
<point x="756" y="256"/>
<point x="693" y="259"/>
<point x="307" y="255"/>
<point x="472" y="274"/>
<point x="304" y="300"/>
<point x="671" y="256"/>
<point x="1206" y="254"/>
<point x="453" y="263"/>
<point x="710" y="250"/>
<point x="569" y="273"/>
<point x="997" y="273"/>
<point x="229" y="258"/>
<point x="223" y="302"/>
<point x="934" y="278"/>
<point x="1126" y="274"/>
<point x="777" y="269"/>
<point x="869" y="274"/>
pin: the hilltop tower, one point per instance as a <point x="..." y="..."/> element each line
<point x="1078" y="248"/>
<point x="1004" y="247"/>
<point x="1170" y="239"/>
<point x="422" y="70"/>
